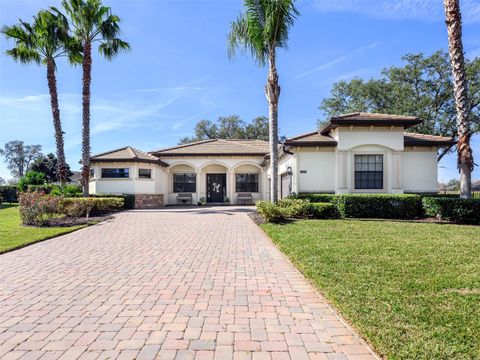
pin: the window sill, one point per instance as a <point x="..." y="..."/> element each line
<point x="114" y="179"/>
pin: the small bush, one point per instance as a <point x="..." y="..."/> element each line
<point x="78" y="207"/>
<point x="72" y="190"/>
<point x="315" y="198"/>
<point x="323" y="211"/>
<point x="9" y="193"/>
<point x="128" y="199"/>
<point x="36" y="208"/>
<point x="271" y="212"/>
<point x="44" y="188"/>
<point x="295" y="208"/>
<point x="462" y="211"/>
<point x="381" y="206"/>
<point x="31" y="178"/>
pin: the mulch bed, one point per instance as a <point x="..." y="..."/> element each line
<point x="58" y="222"/>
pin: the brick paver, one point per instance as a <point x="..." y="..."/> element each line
<point x="171" y="284"/>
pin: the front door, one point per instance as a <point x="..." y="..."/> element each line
<point x="216" y="188"/>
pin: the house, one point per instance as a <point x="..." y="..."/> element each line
<point x="352" y="153"/>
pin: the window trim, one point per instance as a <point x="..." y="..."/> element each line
<point x="184" y="173"/>
<point x="248" y="173"/>
<point x="383" y="171"/>
<point x="115" y="178"/>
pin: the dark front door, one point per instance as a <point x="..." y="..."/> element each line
<point x="216" y="188"/>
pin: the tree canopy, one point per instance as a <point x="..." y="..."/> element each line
<point x="422" y="87"/>
<point x="19" y="156"/>
<point x="229" y="127"/>
<point x="47" y="165"/>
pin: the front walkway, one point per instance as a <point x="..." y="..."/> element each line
<point x="171" y="284"/>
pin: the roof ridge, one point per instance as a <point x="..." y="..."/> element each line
<point x="304" y="135"/>
<point x="136" y="151"/>
<point x="183" y="145"/>
<point x="110" y="151"/>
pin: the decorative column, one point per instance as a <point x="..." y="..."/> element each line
<point x="200" y="185"/>
<point x="231" y="186"/>
<point x="397" y="183"/>
<point x="342" y="186"/>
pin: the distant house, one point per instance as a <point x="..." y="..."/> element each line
<point x="76" y="178"/>
<point x="352" y="153"/>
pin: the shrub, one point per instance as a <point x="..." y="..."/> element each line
<point x="44" y="188"/>
<point x="9" y="193"/>
<point x="271" y="212"/>
<point x="128" y="199"/>
<point x="323" y="211"/>
<point x="72" y="190"/>
<point x="36" y="208"/>
<point x="31" y="178"/>
<point x="381" y="206"/>
<point x="295" y="208"/>
<point x="462" y="211"/>
<point x="315" y="198"/>
<point x="77" y="207"/>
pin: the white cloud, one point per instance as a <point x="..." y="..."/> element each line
<point x="337" y="60"/>
<point x="399" y="9"/>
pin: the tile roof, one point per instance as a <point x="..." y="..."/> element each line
<point x="363" y="118"/>
<point x="414" y="139"/>
<point x="128" y="154"/>
<point x="313" y="138"/>
<point x="219" y="147"/>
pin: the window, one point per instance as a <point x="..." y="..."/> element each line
<point x="184" y="182"/>
<point x="92" y="173"/>
<point x="246" y="182"/>
<point x="115" y="173"/>
<point x="145" y="173"/>
<point x="368" y="171"/>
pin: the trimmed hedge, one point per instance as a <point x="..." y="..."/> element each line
<point x="9" y="193"/>
<point x="295" y="209"/>
<point x="315" y="198"/>
<point x="323" y="211"/>
<point x="128" y="199"/>
<point x="461" y="211"/>
<point x="380" y="206"/>
<point x="80" y="206"/>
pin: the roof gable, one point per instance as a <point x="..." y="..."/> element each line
<point x="313" y="138"/>
<point x="127" y="154"/>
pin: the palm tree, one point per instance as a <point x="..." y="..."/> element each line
<point x="42" y="42"/>
<point x="455" y="48"/>
<point x="92" y="22"/>
<point x="260" y="30"/>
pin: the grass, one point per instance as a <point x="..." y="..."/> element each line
<point x="13" y="235"/>
<point x="411" y="289"/>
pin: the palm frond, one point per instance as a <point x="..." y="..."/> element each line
<point x="113" y="47"/>
<point x="24" y="55"/>
<point x="263" y="27"/>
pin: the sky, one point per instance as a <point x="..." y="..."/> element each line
<point x="178" y="71"/>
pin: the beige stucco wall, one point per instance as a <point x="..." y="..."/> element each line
<point x="420" y="170"/>
<point x="319" y="165"/>
<point x="132" y="185"/>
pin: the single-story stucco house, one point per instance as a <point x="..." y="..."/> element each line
<point x="352" y="153"/>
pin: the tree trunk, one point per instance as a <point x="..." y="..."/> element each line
<point x="57" y="124"/>
<point x="87" y="77"/>
<point x="272" y="91"/>
<point x="455" y="48"/>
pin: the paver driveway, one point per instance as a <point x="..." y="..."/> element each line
<point x="170" y="284"/>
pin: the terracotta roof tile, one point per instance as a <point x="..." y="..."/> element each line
<point x="414" y="139"/>
<point x="313" y="138"/>
<point x="217" y="147"/>
<point x="126" y="153"/>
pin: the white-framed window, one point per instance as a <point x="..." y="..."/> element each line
<point x="246" y="182"/>
<point x="144" y="173"/>
<point x="184" y="182"/>
<point x="368" y="171"/>
<point x="115" y="173"/>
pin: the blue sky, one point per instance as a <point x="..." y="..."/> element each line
<point x="178" y="71"/>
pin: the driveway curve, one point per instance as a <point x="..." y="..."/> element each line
<point x="200" y="283"/>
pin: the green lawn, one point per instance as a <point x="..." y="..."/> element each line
<point x="13" y="235"/>
<point x="411" y="289"/>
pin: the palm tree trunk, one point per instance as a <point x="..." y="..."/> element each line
<point x="272" y="91"/>
<point x="57" y="124"/>
<point x="87" y="78"/>
<point x="455" y="48"/>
